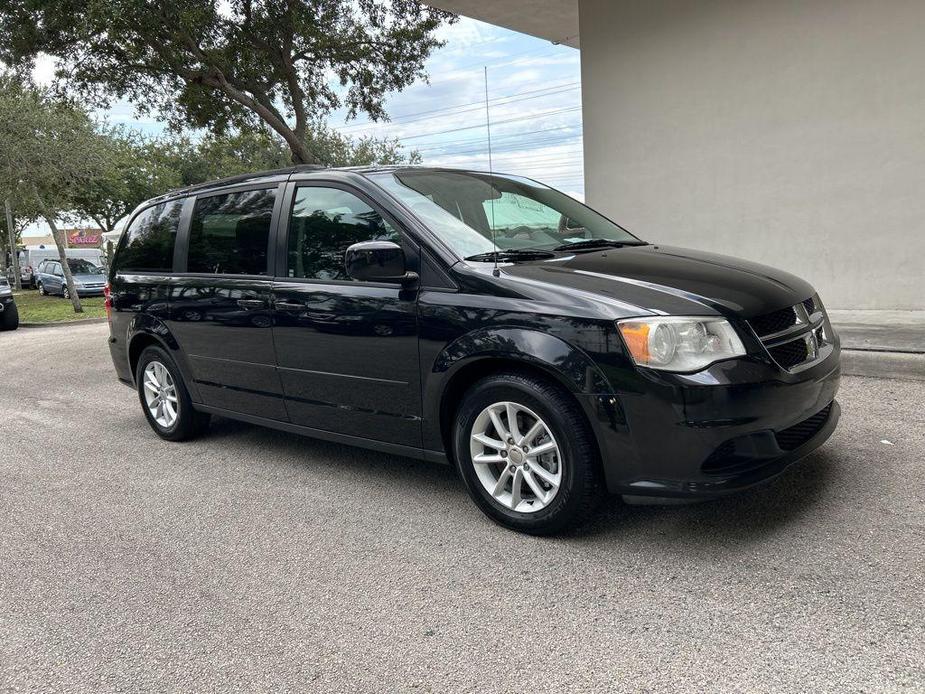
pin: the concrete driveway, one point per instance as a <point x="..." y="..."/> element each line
<point x="253" y="560"/>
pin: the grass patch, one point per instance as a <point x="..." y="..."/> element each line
<point x="35" y="308"/>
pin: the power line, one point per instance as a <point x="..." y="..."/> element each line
<point x="470" y="140"/>
<point x="512" y="146"/>
<point x="468" y="107"/>
<point x="532" y="116"/>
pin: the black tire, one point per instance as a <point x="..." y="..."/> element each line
<point x="581" y="487"/>
<point x="9" y="319"/>
<point x="41" y="288"/>
<point x="65" y="292"/>
<point x="189" y="423"/>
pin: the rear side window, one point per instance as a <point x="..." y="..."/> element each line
<point x="148" y="243"/>
<point x="229" y="233"/>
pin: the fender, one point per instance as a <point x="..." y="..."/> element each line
<point x="151" y="326"/>
<point x="570" y="365"/>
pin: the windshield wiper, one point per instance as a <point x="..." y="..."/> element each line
<point x="510" y="254"/>
<point x="597" y="243"/>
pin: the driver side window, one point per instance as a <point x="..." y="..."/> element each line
<point x="324" y="223"/>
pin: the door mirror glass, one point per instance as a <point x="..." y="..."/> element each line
<point x="376" y="261"/>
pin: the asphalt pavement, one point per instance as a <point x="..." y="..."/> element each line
<point x="252" y="560"/>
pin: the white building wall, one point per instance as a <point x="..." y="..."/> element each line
<point x="791" y="132"/>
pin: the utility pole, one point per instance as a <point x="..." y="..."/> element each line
<point x="14" y="255"/>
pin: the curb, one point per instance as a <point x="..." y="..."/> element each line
<point x="63" y="323"/>
<point x="904" y="365"/>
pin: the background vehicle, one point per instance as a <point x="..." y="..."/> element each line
<point x="9" y="314"/>
<point x="89" y="279"/>
<point x="479" y="319"/>
<point x="31" y="256"/>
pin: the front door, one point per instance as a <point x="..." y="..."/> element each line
<point x="346" y="351"/>
<point x="219" y="307"/>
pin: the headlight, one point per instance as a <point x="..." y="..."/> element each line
<point x="680" y="343"/>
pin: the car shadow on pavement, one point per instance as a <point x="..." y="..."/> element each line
<point x="742" y="518"/>
<point x="738" y="519"/>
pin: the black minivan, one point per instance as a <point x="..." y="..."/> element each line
<point x="484" y="320"/>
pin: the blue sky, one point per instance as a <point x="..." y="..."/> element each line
<point x="534" y="95"/>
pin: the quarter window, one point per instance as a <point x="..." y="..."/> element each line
<point x="148" y="243"/>
<point x="229" y="233"/>
<point x="324" y="223"/>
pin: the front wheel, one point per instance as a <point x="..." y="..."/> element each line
<point x="42" y="289"/>
<point x="526" y="454"/>
<point x="164" y="399"/>
<point x="65" y="292"/>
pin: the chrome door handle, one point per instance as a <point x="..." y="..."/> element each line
<point x="252" y="303"/>
<point x="289" y="306"/>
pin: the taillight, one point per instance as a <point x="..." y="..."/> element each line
<point x="107" y="293"/>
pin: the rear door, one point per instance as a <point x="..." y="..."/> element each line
<point x="219" y="302"/>
<point x="347" y="351"/>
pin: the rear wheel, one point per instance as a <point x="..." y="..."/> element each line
<point x="526" y="454"/>
<point x="9" y="319"/>
<point x="164" y="399"/>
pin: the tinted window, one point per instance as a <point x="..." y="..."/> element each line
<point x="325" y="221"/>
<point x="229" y="233"/>
<point x="148" y="243"/>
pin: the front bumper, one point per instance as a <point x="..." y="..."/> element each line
<point x="90" y="291"/>
<point x="735" y="425"/>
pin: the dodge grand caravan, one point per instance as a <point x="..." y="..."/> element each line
<point x="487" y="321"/>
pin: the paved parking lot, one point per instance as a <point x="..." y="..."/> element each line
<point x="253" y="560"/>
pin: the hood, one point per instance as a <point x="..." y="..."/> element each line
<point x="664" y="279"/>
<point x="89" y="277"/>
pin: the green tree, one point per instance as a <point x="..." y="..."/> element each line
<point x="255" y="149"/>
<point x="131" y="172"/>
<point x="284" y="64"/>
<point x="49" y="152"/>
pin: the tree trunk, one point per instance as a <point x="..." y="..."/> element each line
<point x="14" y="256"/>
<point x="69" y="280"/>
<point x="301" y="154"/>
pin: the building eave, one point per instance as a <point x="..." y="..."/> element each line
<point x="553" y="20"/>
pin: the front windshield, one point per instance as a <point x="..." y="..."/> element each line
<point x="82" y="267"/>
<point x="463" y="209"/>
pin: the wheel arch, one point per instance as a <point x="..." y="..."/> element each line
<point x="493" y="350"/>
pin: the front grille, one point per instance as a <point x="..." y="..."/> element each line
<point x="790" y="354"/>
<point x="794" y="335"/>
<point x="771" y="323"/>
<point x="795" y="436"/>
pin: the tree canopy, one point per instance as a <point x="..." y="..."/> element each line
<point x="49" y="151"/>
<point x="282" y="64"/>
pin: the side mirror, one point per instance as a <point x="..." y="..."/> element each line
<point x="377" y="261"/>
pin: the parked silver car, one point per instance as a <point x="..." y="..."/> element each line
<point x="89" y="280"/>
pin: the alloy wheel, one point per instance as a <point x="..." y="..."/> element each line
<point x="160" y="394"/>
<point x="516" y="457"/>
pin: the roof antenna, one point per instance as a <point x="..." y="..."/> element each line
<point x="491" y="179"/>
